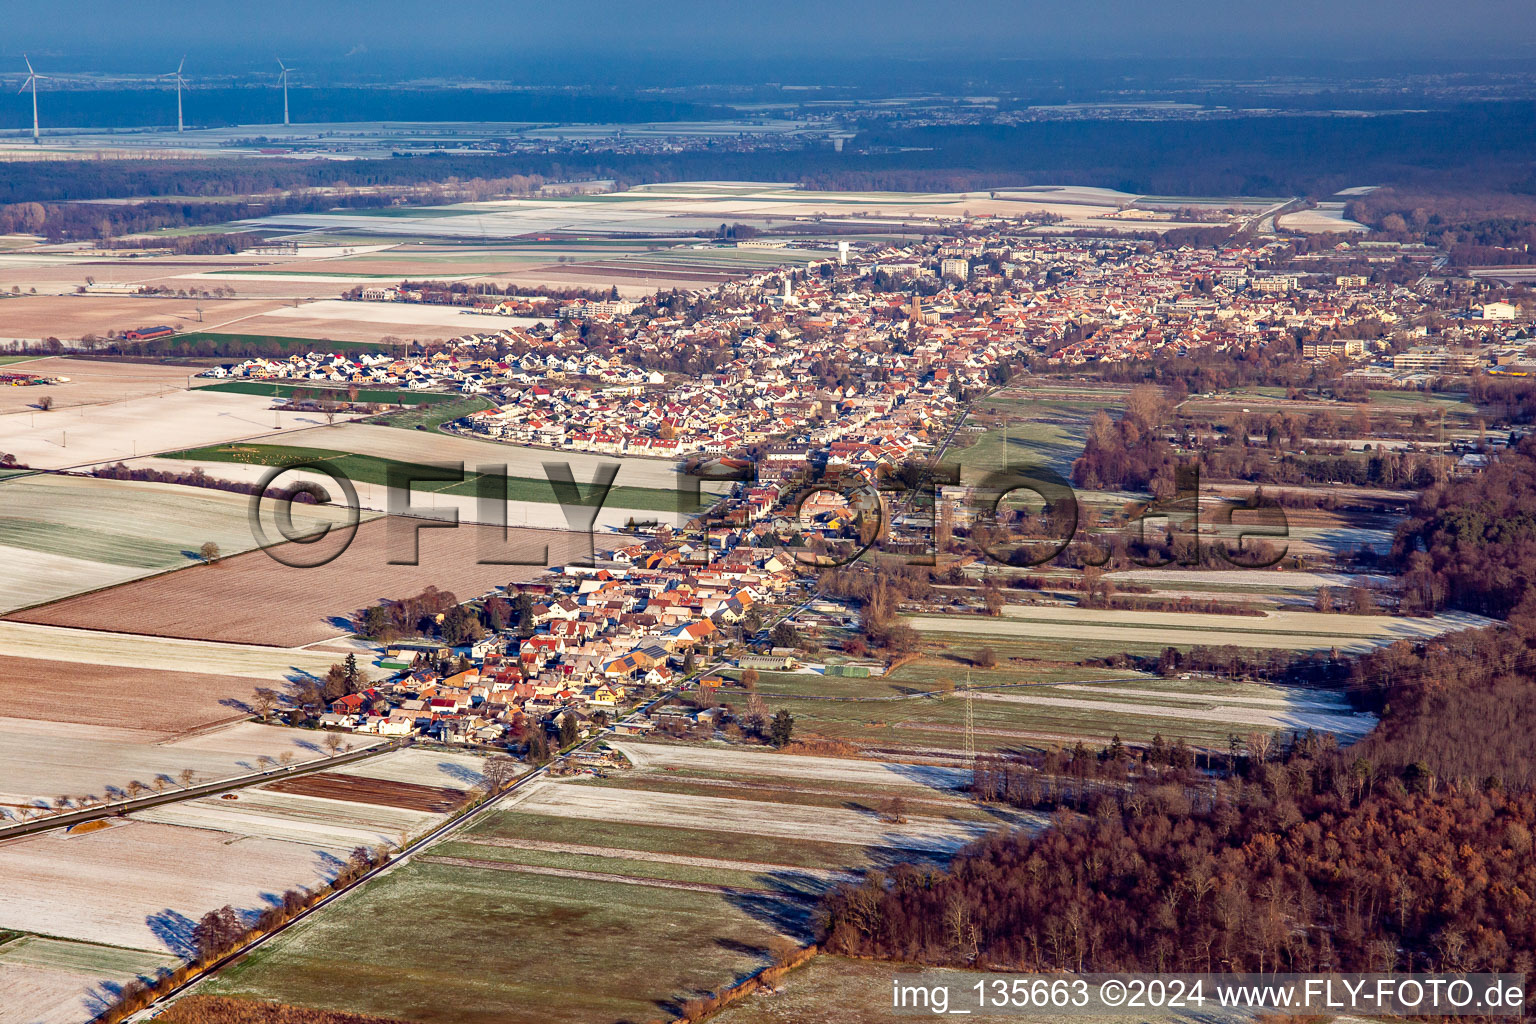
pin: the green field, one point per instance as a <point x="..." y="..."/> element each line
<point x="371" y="469"/>
<point x="434" y="415"/>
<point x="1426" y="401"/>
<point x="379" y="396"/>
<point x="1027" y="429"/>
<point x="240" y="346"/>
<point x="8" y="360"/>
<point x="443" y="944"/>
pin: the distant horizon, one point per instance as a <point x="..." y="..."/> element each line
<point x="482" y="33"/>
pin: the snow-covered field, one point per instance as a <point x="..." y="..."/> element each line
<point x="144" y="885"/>
<point x="63" y="535"/>
<point x="784" y="821"/>
<point x="687" y="206"/>
<point x="387" y="313"/>
<point x="1328" y="218"/>
<point x="49" y="981"/>
<point x="758" y="765"/>
<point x="59" y="643"/>
<point x="93" y="434"/>
<point x="1300" y="716"/>
<point x="1286" y="630"/>
<point x="44" y="760"/>
<point x="336" y="825"/>
<point x="422" y="768"/>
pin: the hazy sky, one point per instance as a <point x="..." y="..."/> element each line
<point x="479" y="30"/>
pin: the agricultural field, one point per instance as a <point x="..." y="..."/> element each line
<point x="138" y="884"/>
<point x="91" y="382"/>
<point x="774" y="821"/>
<point x="71" y="317"/>
<point x="381" y="396"/>
<point x="512" y="947"/>
<point x="420" y="767"/>
<point x="143" y="885"/>
<point x="1326" y="218"/>
<point x="434" y="415"/>
<point x="259" y="664"/>
<point x="342" y="320"/>
<point x="1015" y="708"/>
<point x="279" y="811"/>
<point x="52" y="981"/>
<point x="254" y="599"/>
<point x="84" y="436"/>
<point x="158" y="702"/>
<point x="427" y="447"/>
<point x="1028" y="426"/>
<point x="63" y="535"/>
<point x="656" y="883"/>
<point x="1284" y="630"/>
<point x="838" y="990"/>
<point x="682" y="207"/>
<point x="42" y="761"/>
<point x="371" y="471"/>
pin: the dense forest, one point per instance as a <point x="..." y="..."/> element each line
<point x="1478" y="226"/>
<point x="1471" y="543"/>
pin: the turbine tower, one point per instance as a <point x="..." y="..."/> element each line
<point x="284" y="77"/>
<point x="32" y="79"/>
<point x="179" y="83"/>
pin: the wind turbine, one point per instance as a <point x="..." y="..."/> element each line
<point x="179" y="83"/>
<point x="284" y="77"/>
<point x="32" y="80"/>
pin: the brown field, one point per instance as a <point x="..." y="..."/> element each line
<point x="69" y="317"/>
<point x="252" y="598"/>
<point x="154" y="700"/>
<point x="90" y="382"/>
<point x="335" y="786"/>
<point x="218" y="1010"/>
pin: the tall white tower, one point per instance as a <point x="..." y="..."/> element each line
<point x="842" y="254"/>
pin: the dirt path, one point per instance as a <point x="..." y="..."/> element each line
<point x="600" y="876"/>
